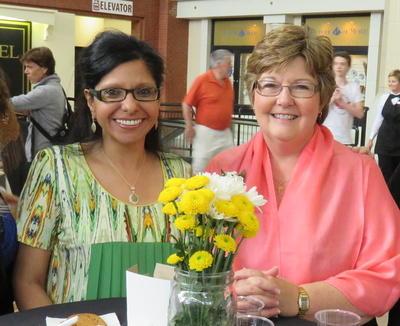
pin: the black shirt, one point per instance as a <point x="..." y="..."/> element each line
<point x="388" y="139"/>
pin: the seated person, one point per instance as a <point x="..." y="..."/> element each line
<point x="9" y="131"/>
<point x="8" y="250"/>
<point x="102" y="189"/>
<point x="330" y="233"/>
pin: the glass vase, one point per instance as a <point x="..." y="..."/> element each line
<point x="200" y="299"/>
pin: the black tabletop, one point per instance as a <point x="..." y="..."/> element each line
<point x="37" y="317"/>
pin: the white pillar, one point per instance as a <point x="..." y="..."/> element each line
<point x="371" y="85"/>
<point x="274" y="21"/>
<point x="198" y="48"/>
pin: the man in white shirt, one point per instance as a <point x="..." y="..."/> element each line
<point x="346" y="102"/>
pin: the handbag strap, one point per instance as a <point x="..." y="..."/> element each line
<point x="41" y="129"/>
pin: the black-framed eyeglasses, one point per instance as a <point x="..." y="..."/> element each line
<point x="114" y="94"/>
<point x="298" y="90"/>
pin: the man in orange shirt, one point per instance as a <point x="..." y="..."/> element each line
<point x="212" y="96"/>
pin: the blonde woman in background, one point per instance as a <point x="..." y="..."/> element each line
<point x="386" y="128"/>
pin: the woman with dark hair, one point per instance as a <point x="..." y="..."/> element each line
<point x="9" y="132"/>
<point x="45" y="103"/>
<point x="102" y="189"/>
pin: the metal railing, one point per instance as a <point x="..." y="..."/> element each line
<point x="244" y="127"/>
<point x="172" y="126"/>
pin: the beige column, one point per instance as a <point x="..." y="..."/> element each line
<point x="274" y="21"/>
<point x="390" y="46"/>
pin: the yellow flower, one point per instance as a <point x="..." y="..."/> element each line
<point x="249" y="224"/>
<point x="169" y="194"/>
<point x="207" y="192"/>
<point x="227" y="208"/>
<point x="199" y="230"/>
<point x="175" y="182"/>
<point x="185" y="222"/>
<point x="225" y="242"/>
<point x="200" y="260"/>
<point x="194" y="202"/>
<point x="169" y="209"/>
<point x="242" y="203"/>
<point x="249" y="233"/>
<point x="196" y="182"/>
<point x="174" y="259"/>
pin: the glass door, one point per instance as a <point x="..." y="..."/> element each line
<point x="243" y="96"/>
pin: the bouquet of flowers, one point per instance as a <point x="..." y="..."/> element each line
<point x="213" y="214"/>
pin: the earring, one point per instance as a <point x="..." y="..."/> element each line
<point x="93" y="126"/>
<point x="156" y="125"/>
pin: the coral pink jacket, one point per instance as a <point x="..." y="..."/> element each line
<point x="336" y="221"/>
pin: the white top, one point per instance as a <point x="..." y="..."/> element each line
<point x="379" y="117"/>
<point x="340" y="121"/>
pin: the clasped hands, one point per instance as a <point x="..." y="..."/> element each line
<point x="337" y="98"/>
<point x="280" y="296"/>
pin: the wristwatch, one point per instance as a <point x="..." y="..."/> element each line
<point x="303" y="301"/>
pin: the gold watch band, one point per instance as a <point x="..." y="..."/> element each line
<point x="303" y="301"/>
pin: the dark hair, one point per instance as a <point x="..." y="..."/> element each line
<point x="108" y="50"/>
<point x="42" y="56"/>
<point x="343" y="54"/>
<point x="4" y="94"/>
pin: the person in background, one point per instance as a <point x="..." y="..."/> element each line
<point x="386" y="131"/>
<point x="386" y="128"/>
<point x="45" y="102"/>
<point x="9" y="132"/>
<point x="212" y="96"/>
<point x="346" y="102"/>
<point x="320" y="242"/>
<point x="102" y="189"/>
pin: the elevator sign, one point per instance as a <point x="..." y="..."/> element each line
<point x="116" y="7"/>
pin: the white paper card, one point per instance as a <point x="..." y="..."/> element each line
<point x="147" y="300"/>
<point x="166" y="272"/>
<point x="111" y="319"/>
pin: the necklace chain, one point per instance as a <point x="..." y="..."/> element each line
<point x="133" y="198"/>
<point x="280" y="185"/>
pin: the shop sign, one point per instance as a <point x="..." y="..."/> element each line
<point x="116" y="7"/>
<point x="343" y="31"/>
<point x="238" y="32"/>
<point x="15" y="40"/>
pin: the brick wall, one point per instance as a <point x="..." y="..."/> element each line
<point x="158" y="26"/>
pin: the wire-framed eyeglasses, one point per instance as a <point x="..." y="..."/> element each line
<point x="114" y="94"/>
<point x="298" y="89"/>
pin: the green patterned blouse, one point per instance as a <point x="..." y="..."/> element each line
<point x="64" y="209"/>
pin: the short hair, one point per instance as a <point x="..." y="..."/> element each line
<point x="42" y="56"/>
<point x="395" y="73"/>
<point x="108" y="50"/>
<point x="343" y="54"/>
<point x="281" y="46"/>
<point x="219" y="56"/>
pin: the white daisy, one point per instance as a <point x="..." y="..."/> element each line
<point x="225" y="186"/>
<point x="256" y="199"/>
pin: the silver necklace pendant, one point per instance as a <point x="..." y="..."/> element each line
<point x="133" y="197"/>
